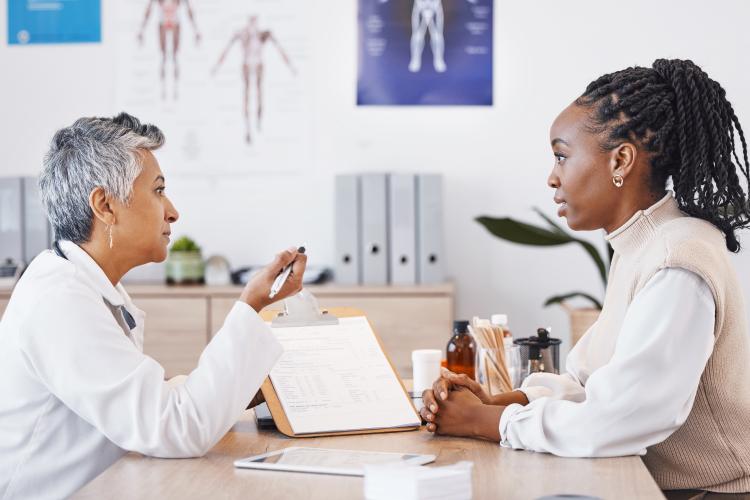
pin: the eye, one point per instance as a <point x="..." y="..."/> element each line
<point x="559" y="158"/>
<point x="160" y="190"/>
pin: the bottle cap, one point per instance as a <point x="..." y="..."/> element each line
<point x="461" y="326"/>
<point x="499" y="319"/>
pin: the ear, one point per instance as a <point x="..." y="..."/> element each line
<point x="102" y="206"/>
<point x="622" y="159"/>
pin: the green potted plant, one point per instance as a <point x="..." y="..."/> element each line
<point x="581" y="318"/>
<point x="184" y="263"/>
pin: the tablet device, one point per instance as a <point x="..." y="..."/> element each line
<point x="325" y="461"/>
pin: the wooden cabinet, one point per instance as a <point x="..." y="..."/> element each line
<point x="176" y="331"/>
<point x="181" y="320"/>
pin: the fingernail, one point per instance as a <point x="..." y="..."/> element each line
<point x="433" y="408"/>
<point x="443" y="395"/>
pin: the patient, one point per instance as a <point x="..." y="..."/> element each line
<point x="663" y="372"/>
<point x="76" y="390"/>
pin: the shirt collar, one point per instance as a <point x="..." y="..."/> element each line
<point x="642" y="226"/>
<point x="88" y="267"/>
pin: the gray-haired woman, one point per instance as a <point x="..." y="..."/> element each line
<point x="76" y="390"/>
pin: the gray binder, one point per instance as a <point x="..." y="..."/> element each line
<point x="348" y="260"/>
<point x="11" y="219"/>
<point x="374" y="235"/>
<point x="35" y="225"/>
<point x="430" y="229"/>
<point x="402" y="229"/>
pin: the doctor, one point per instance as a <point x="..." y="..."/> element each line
<point x="76" y="390"/>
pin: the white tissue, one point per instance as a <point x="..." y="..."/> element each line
<point x="415" y="482"/>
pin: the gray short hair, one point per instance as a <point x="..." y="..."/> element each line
<point x="93" y="152"/>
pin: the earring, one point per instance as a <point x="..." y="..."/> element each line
<point x="110" y="236"/>
<point x="618" y="181"/>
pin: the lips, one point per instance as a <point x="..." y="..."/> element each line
<point x="563" y="206"/>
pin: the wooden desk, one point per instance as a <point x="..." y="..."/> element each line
<point x="498" y="472"/>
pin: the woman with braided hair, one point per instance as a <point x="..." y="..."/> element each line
<point x="663" y="371"/>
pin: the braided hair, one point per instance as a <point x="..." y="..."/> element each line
<point x="684" y="120"/>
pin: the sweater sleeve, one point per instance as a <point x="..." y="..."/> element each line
<point x="647" y="389"/>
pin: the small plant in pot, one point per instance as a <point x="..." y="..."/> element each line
<point x="581" y="318"/>
<point x="184" y="263"/>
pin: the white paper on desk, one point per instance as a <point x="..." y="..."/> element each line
<point x="336" y="378"/>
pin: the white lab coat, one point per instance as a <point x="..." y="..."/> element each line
<point x="77" y="392"/>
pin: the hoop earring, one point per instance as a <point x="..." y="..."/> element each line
<point x="110" y="236"/>
<point x="618" y="181"/>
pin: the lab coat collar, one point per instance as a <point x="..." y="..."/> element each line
<point x="88" y="267"/>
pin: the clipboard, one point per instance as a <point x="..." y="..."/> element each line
<point x="302" y="310"/>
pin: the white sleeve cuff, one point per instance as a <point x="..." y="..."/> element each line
<point x="536" y="392"/>
<point x="508" y="413"/>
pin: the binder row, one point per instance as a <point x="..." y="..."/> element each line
<point x="389" y="229"/>
<point x="24" y="229"/>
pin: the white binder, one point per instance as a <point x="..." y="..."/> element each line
<point x="402" y="229"/>
<point x="11" y="219"/>
<point x="430" y="229"/>
<point x="374" y="235"/>
<point x="35" y="225"/>
<point x="348" y="261"/>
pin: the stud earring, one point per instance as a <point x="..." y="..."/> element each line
<point x="618" y="181"/>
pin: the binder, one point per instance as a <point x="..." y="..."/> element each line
<point x="347" y="217"/>
<point x="11" y="219"/>
<point x="430" y="229"/>
<point x="374" y="232"/>
<point x="302" y="310"/>
<point x="35" y="225"/>
<point x="402" y="229"/>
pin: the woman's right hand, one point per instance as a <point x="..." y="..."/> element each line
<point x="258" y="288"/>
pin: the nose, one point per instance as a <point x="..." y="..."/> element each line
<point x="171" y="213"/>
<point x="553" y="180"/>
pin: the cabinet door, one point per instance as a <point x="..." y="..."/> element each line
<point x="220" y="307"/>
<point x="404" y="323"/>
<point x="176" y="331"/>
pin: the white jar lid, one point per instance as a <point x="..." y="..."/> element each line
<point x="499" y="319"/>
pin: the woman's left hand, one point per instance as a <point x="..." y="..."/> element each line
<point x="463" y="414"/>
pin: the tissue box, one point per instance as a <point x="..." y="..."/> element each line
<point x="415" y="482"/>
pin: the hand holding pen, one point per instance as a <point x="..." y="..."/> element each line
<point x="278" y="280"/>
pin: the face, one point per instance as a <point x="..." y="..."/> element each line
<point x="142" y="227"/>
<point x="582" y="173"/>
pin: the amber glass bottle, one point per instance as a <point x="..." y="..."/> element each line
<point x="461" y="350"/>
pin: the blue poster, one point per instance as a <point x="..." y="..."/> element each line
<point x="425" y="52"/>
<point x="54" y="21"/>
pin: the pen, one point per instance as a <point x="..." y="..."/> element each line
<point x="281" y="278"/>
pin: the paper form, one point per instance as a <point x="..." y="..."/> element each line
<point x="336" y="378"/>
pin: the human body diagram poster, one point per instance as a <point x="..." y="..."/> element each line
<point x="429" y="52"/>
<point x="227" y="81"/>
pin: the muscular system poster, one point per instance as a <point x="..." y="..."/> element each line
<point x="227" y="81"/>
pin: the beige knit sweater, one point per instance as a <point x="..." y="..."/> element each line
<point x="711" y="450"/>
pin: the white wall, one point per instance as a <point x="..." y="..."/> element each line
<point x="495" y="161"/>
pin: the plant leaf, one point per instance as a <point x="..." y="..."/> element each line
<point x="560" y="298"/>
<point x="590" y="249"/>
<point x="520" y="232"/>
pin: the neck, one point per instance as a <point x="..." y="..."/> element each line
<point x="629" y="208"/>
<point x="105" y="258"/>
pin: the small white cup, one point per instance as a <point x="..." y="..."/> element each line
<point x="425" y="368"/>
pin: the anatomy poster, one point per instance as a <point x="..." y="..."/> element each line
<point x="428" y="52"/>
<point x="226" y="80"/>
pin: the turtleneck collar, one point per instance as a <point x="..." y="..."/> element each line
<point x="642" y="226"/>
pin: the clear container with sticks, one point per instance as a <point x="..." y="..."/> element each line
<point x="496" y="370"/>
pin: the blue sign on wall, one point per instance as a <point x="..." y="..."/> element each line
<point x="425" y="52"/>
<point x="54" y="21"/>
